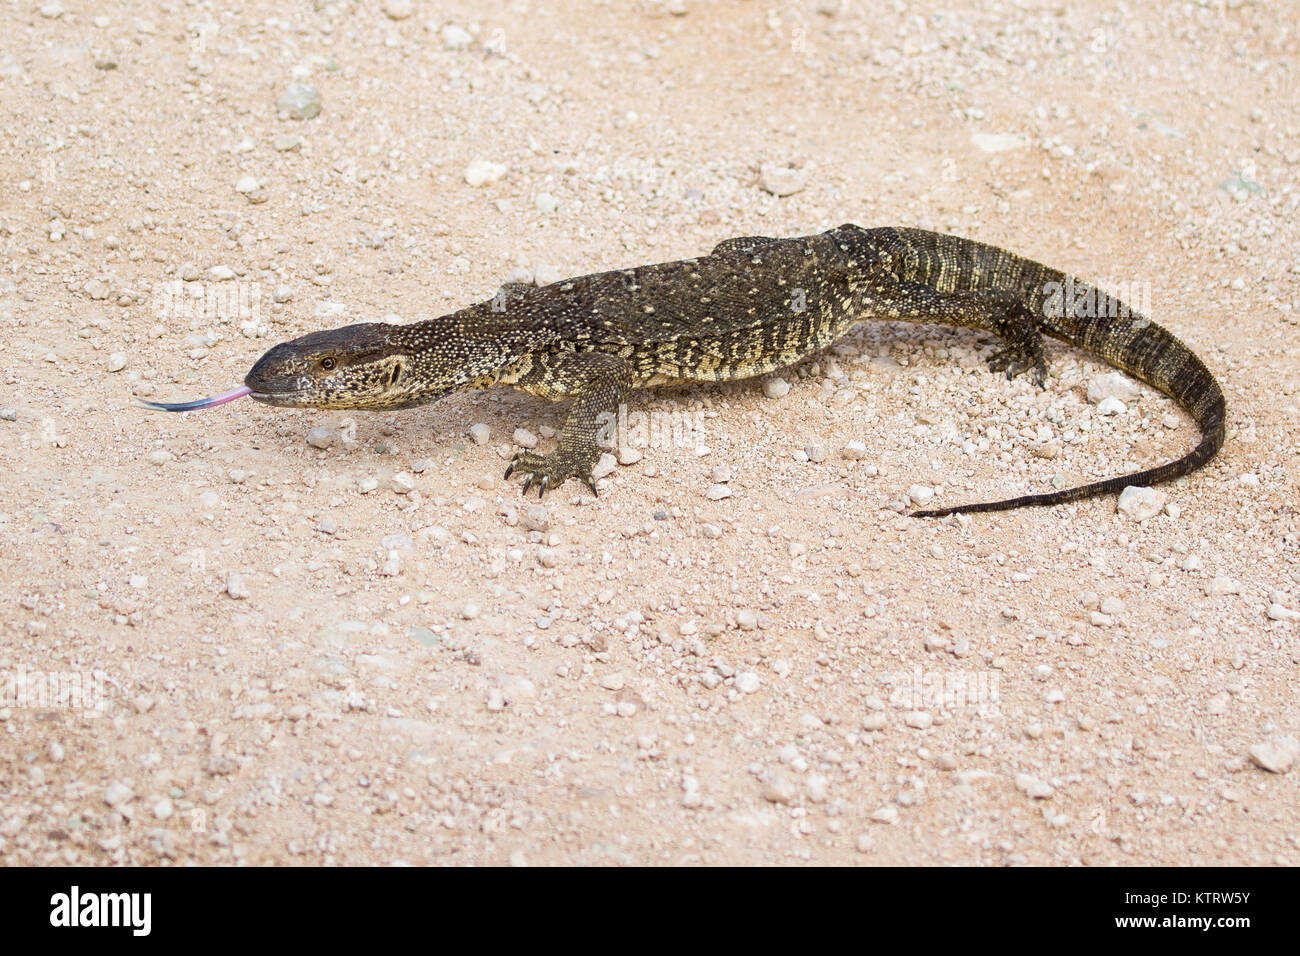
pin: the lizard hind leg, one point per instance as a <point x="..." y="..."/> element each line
<point x="1022" y="345"/>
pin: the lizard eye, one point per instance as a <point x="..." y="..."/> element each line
<point x="328" y="364"/>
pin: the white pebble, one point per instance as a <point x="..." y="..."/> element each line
<point x="776" y="388"/>
<point x="1276" y="755"/>
<point x="482" y="172"/>
<point x="1110" y="405"/>
<point x="1112" y="385"/>
<point x="747" y="682"/>
<point x="480" y="433"/>
<point x="1140" y="503"/>
<point x="780" y="180"/>
<point x="920" y="494"/>
<point x="1033" y="787"/>
<point x="455" y="38"/>
<point x="919" y="719"/>
<point x="117" y="361"/>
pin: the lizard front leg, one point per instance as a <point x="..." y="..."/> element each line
<point x="598" y="384"/>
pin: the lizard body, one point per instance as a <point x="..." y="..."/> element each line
<point x="750" y="307"/>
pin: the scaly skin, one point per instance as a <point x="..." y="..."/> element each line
<point x="752" y="306"/>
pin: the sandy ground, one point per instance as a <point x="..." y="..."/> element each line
<point x="224" y="644"/>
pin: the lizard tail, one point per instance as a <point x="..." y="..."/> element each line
<point x="1134" y="344"/>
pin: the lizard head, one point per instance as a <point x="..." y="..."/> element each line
<point x="358" y="366"/>
<point x="376" y="365"/>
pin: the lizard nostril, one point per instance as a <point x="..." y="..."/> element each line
<point x="394" y="375"/>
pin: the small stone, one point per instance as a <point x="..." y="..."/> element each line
<point x="399" y="9"/>
<point x="367" y="484"/>
<point x="402" y="483"/>
<point x="1112" y="385"/>
<point x="221" y="273"/>
<point x="1276" y="755"/>
<point x="117" y="361"/>
<point x="780" y="180"/>
<point x="162" y="809"/>
<point x="456" y="38"/>
<point x="629" y="456"/>
<point x="52" y="11"/>
<point x="1140" y="503"/>
<point x="997" y="142"/>
<point x="55" y="751"/>
<point x="1222" y="585"/>
<point x="480" y="433"/>
<point x="299" y="101"/>
<point x="286" y="142"/>
<point x="320" y="438"/>
<point x="1110" y="405"/>
<point x="236" y="587"/>
<point x="482" y="172"/>
<point x="920" y="494"/>
<point x="816" y="453"/>
<point x="886" y="814"/>
<point x="536" y="518"/>
<point x="1279" y="612"/>
<point x="1112" y="606"/>
<point x="496" y="700"/>
<point x="721" y="474"/>
<point x="779" y="789"/>
<point x="604" y="466"/>
<point x="776" y="388"/>
<point x="247" y="185"/>
<point x="1033" y="787"/>
<point x="117" y="794"/>
<point x="854" y="451"/>
<point x="717" y="492"/>
<point x="614" y="681"/>
<point x="8" y="413"/>
<point x="747" y="682"/>
<point x="524" y="438"/>
<point x="546" y="203"/>
<point x="919" y="719"/>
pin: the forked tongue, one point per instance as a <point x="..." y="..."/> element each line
<point x="221" y="399"/>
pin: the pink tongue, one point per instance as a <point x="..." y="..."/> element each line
<point x="221" y="399"/>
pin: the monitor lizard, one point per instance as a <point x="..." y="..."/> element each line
<point x="752" y="306"/>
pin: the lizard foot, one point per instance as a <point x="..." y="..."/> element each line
<point x="1015" y="360"/>
<point x="549" y="471"/>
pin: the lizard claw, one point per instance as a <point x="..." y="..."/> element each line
<point x="547" y="472"/>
